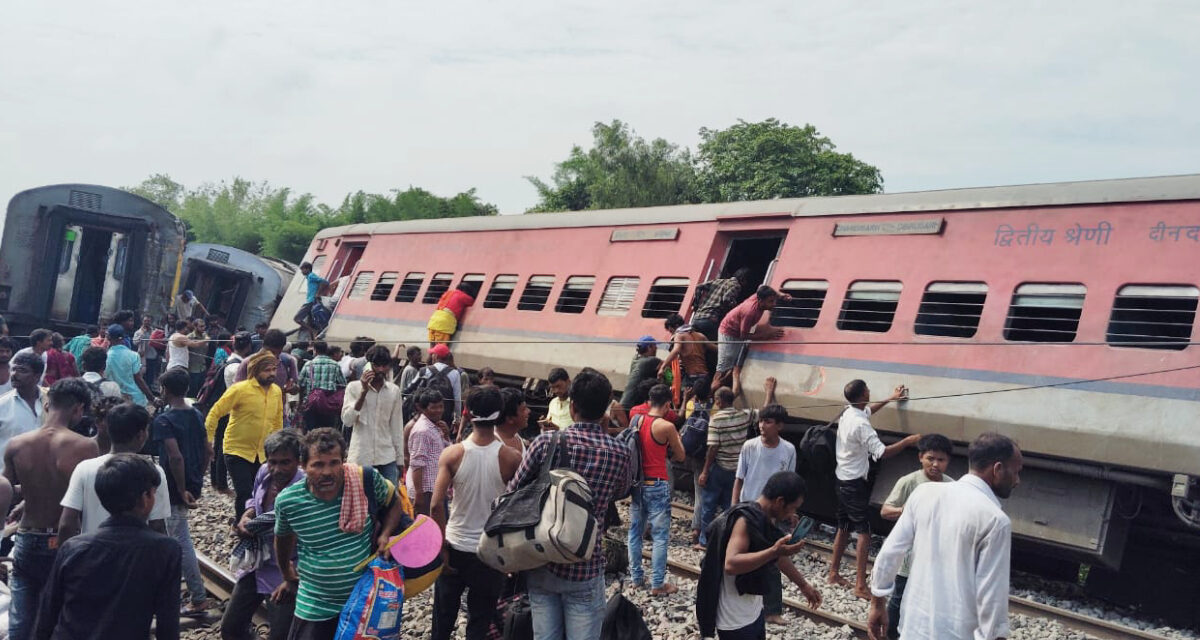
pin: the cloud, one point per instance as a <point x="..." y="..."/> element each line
<point x="331" y="98"/>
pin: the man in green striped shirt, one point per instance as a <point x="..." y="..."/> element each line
<point x="307" y="514"/>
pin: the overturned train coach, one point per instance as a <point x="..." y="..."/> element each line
<point x="1062" y="315"/>
<point x="242" y="287"/>
<point x="73" y="254"/>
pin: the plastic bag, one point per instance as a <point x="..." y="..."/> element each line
<point x="374" y="610"/>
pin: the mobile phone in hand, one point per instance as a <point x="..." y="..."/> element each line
<point x="802" y="528"/>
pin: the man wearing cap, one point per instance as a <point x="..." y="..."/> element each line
<point x="124" y="367"/>
<point x="440" y="360"/>
<point x="186" y="305"/>
<point x="643" y="367"/>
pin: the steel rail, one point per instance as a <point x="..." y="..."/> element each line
<point x="219" y="582"/>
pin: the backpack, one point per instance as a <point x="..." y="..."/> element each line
<point x="549" y="520"/>
<point x="438" y="380"/>
<point x="623" y="620"/>
<point x="695" y="433"/>
<point x="630" y="440"/>
<point x="818" y="451"/>
<point x="213" y="388"/>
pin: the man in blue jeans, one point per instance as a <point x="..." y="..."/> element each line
<point x="567" y="600"/>
<point x="728" y="430"/>
<point x="652" y="500"/>
<point x="40" y="462"/>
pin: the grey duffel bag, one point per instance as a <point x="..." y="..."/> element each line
<point x="548" y="520"/>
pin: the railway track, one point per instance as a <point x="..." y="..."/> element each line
<point x="1095" y="627"/>
<point x="219" y="583"/>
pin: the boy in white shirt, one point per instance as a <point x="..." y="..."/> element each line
<point x="761" y="458"/>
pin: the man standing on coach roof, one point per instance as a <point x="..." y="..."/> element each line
<point x="313" y="284"/>
<point x="567" y="600"/>
<point x="39" y="464"/>
<point x="857" y="446"/>
<point x="961" y="543"/>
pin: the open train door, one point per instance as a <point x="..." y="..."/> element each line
<point x="221" y="289"/>
<point x="752" y="242"/>
<point x="345" y="261"/>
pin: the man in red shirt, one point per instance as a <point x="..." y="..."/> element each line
<point x="738" y="329"/>
<point x="652" y="500"/>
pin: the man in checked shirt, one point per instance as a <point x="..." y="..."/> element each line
<point x="567" y="600"/>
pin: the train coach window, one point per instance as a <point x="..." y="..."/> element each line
<point x="536" y="292"/>
<point x="870" y="305"/>
<point x="951" y="309"/>
<point x="618" y="296"/>
<point x="804" y="307"/>
<point x="665" y="297"/>
<point x="473" y="278"/>
<point x="1153" y="316"/>
<point x="383" y="288"/>
<point x="438" y="284"/>
<point x="501" y="292"/>
<point x="1045" y="312"/>
<point x="575" y="294"/>
<point x="361" y="282"/>
<point x="410" y="286"/>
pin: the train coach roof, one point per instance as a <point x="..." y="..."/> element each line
<point x="1183" y="187"/>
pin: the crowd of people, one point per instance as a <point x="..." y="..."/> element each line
<point x="324" y="452"/>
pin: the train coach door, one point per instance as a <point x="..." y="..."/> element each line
<point x="344" y="263"/>
<point x="756" y="251"/>
<point x="90" y="270"/>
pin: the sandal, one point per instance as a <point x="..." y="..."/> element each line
<point x="195" y="609"/>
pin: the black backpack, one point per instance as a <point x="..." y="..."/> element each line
<point x="630" y="439"/>
<point x="437" y="380"/>
<point x="695" y="433"/>
<point x="213" y="388"/>
<point x="623" y="620"/>
<point x="818" y="451"/>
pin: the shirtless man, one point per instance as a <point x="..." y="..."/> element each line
<point x="39" y="464"/>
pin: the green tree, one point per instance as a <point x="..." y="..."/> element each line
<point x="273" y="221"/>
<point x="620" y="170"/>
<point x="771" y="159"/>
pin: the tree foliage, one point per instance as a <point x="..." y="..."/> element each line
<point x="771" y="159"/>
<point x="620" y="170"/>
<point x="747" y="161"/>
<point x="272" y="221"/>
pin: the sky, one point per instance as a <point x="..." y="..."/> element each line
<point x="330" y="98"/>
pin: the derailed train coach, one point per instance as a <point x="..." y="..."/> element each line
<point x="1062" y="315"/>
<point x="242" y="287"/>
<point x="74" y="254"/>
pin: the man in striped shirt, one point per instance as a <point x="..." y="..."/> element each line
<point x="728" y="430"/>
<point x="308" y="514"/>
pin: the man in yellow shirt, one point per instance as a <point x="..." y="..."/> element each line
<point x="255" y="410"/>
